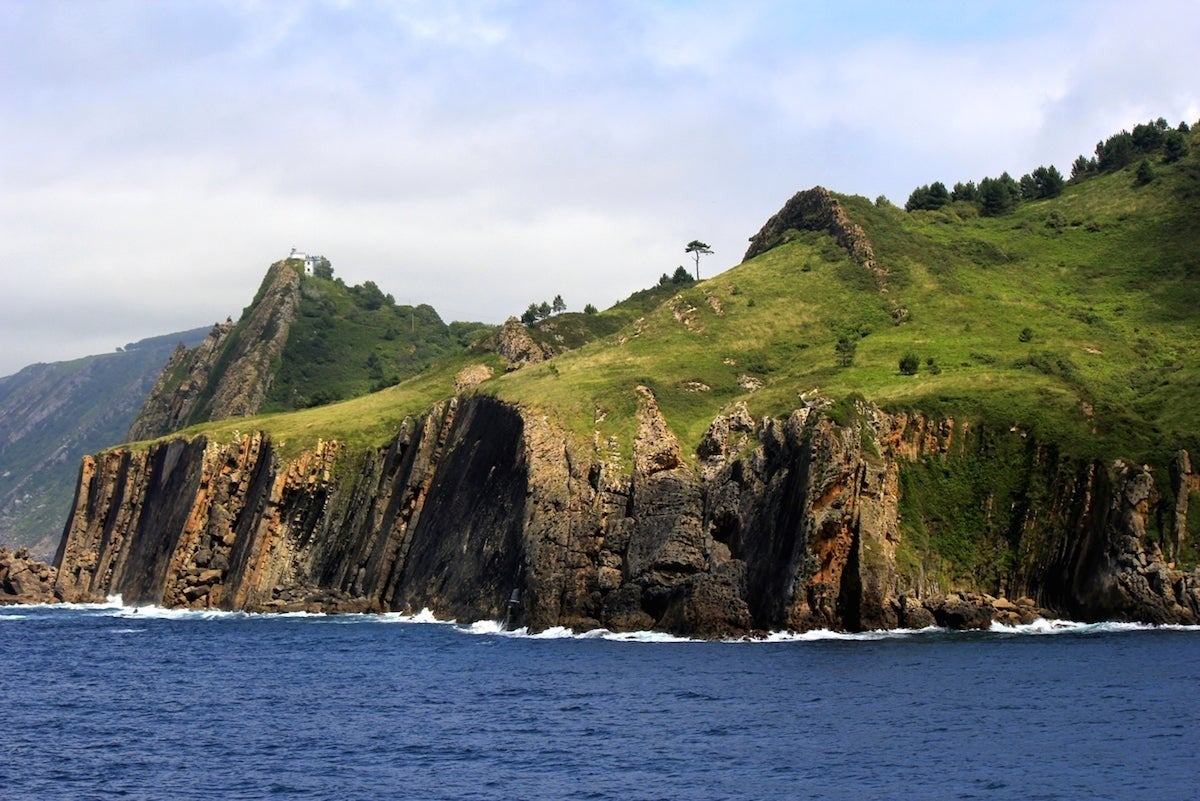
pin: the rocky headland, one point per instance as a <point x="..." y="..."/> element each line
<point x="779" y="523"/>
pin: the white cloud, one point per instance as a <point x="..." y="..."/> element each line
<point x="480" y="156"/>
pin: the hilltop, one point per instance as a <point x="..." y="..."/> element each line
<point x="307" y="339"/>
<point x="1072" y="317"/>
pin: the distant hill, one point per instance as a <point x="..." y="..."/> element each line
<point x="53" y="414"/>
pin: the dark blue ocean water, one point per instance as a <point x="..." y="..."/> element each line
<point x="101" y="703"/>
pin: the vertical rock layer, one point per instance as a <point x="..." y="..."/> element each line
<point x="786" y="523"/>
<point x="231" y="371"/>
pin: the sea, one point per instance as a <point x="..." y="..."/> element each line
<point x="109" y="702"/>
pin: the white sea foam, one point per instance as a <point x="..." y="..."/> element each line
<point x="816" y="635"/>
<point x="163" y="613"/>
<point x="425" y="616"/>
<point x="114" y="606"/>
<point x="1044" y="626"/>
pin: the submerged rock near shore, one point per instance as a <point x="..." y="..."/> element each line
<point x="25" y="580"/>
<point x="791" y="523"/>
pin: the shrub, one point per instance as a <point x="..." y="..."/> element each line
<point x="1174" y="146"/>
<point x="1145" y="173"/>
<point x="844" y="350"/>
<point x="1026" y="334"/>
<point x="681" y="276"/>
<point x="910" y="363"/>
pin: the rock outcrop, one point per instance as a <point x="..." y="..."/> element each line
<point x="173" y="398"/>
<point x="814" y="210"/>
<point x="789" y="523"/>
<point x="230" y="373"/>
<point x="24" y="580"/>
<point x="517" y="347"/>
<point x="817" y="210"/>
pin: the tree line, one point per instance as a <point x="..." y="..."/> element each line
<point x="540" y="311"/>
<point x="996" y="196"/>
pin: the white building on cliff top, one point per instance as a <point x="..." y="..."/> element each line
<point x="309" y="261"/>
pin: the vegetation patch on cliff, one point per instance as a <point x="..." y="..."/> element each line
<point x="348" y="341"/>
<point x="958" y="524"/>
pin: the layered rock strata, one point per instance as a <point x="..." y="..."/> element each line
<point x="789" y="523"/>
<point x="230" y="373"/>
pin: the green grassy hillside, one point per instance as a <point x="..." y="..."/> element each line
<point x="348" y="341"/>
<point x="1074" y="318"/>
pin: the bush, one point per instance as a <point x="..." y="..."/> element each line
<point x="1026" y="334"/>
<point x="589" y="309"/>
<point x="844" y="350"/>
<point x="1174" y="147"/>
<point x="681" y="276"/>
<point x="910" y="363"/>
<point x="1145" y="173"/>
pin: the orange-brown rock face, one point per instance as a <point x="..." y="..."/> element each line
<point x="24" y="580"/>
<point x="785" y="523"/>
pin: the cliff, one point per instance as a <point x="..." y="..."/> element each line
<point x="1042" y="346"/>
<point x="782" y="523"/>
<point x="230" y="373"/>
<point x="172" y="399"/>
<point x="53" y="414"/>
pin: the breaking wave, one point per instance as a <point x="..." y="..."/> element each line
<point x="115" y="607"/>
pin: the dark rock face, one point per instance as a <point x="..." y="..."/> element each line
<point x="787" y="523"/>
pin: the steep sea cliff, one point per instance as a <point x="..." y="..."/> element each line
<point x="795" y="523"/>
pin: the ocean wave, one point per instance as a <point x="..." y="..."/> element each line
<point x="1043" y="626"/>
<point x="114" y="606"/>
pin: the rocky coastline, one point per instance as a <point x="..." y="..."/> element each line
<point x="777" y="524"/>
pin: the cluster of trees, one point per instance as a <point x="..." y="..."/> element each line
<point x="540" y="311"/>
<point x="1122" y="149"/>
<point x="993" y="196"/>
<point x="369" y="296"/>
<point x="323" y="269"/>
<point x="996" y="196"/>
<point x="680" y="276"/>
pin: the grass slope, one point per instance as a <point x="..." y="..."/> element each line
<point x="1074" y="318"/>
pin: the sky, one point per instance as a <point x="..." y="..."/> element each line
<point x="157" y="157"/>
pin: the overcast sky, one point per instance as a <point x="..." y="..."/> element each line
<point x="157" y="157"/>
